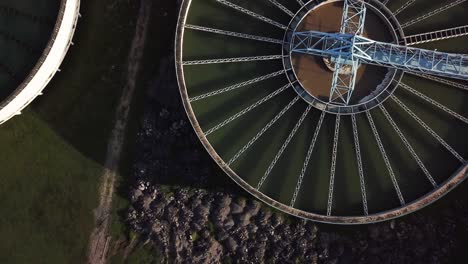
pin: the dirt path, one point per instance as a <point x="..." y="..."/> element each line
<point x="100" y="239"/>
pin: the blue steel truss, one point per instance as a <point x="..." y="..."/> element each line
<point x="347" y="49"/>
<point x="351" y="47"/>
<point x="345" y="67"/>
<point x="354" y="15"/>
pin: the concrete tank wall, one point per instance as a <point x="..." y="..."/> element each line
<point x="48" y="63"/>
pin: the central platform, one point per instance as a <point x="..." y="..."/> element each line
<point x="311" y="76"/>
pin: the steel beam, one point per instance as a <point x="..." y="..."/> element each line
<point x="432" y="13"/>
<point x="264" y="129"/>
<point x="282" y="7"/>
<point x="428" y="129"/>
<point x="441" y="80"/>
<point x="307" y="159"/>
<point x="403" y="7"/>
<point x="436" y="35"/>
<point x="333" y="165"/>
<point x="408" y="146"/>
<point x="246" y="110"/>
<point x="434" y="103"/>
<point x="233" y="34"/>
<point x="385" y="158"/>
<point x="300" y="3"/>
<point x="357" y="148"/>
<point x="283" y="148"/>
<point x="252" y="14"/>
<point x="384" y="2"/>
<point x="237" y="85"/>
<point x="230" y="60"/>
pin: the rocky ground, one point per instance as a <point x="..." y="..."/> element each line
<point x="190" y="212"/>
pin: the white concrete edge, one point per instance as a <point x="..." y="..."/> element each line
<point x="48" y="64"/>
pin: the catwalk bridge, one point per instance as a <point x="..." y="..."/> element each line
<point x="351" y="47"/>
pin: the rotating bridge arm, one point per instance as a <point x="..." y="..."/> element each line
<point x="347" y="49"/>
<point x="346" y="66"/>
<point x="351" y="47"/>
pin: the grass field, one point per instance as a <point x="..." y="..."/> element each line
<point x="51" y="155"/>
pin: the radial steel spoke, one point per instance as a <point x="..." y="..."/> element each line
<point x="236" y="86"/>
<point x="404" y="6"/>
<point x="428" y="129"/>
<point x="441" y="80"/>
<point x="252" y="14"/>
<point x="432" y="13"/>
<point x="300" y="3"/>
<point x="333" y="165"/>
<point x="233" y="34"/>
<point x="437" y="35"/>
<point x="385" y="158"/>
<point x="229" y="60"/>
<point x="408" y="146"/>
<point x="307" y="159"/>
<point x="385" y="2"/>
<point x="359" y="163"/>
<point x="282" y="7"/>
<point x="264" y="129"/>
<point x="434" y="103"/>
<point x="244" y="111"/>
<point x="283" y="147"/>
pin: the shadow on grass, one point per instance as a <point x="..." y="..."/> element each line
<point x="79" y="104"/>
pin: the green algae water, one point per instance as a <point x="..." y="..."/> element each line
<point x="281" y="174"/>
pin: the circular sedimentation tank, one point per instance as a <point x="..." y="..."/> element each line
<point x="263" y="112"/>
<point x="34" y="38"/>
